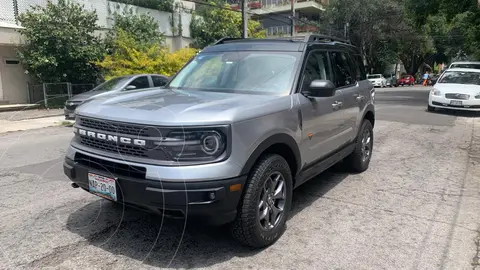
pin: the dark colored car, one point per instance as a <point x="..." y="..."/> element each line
<point x="114" y="85"/>
<point x="406" y="80"/>
<point x="392" y="81"/>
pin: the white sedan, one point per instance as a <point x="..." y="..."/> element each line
<point x="456" y="89"/>
<point x="377" y="80"/>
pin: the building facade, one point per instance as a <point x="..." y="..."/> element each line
<point x="275" y="15"/>
<point x="13" y="78"/>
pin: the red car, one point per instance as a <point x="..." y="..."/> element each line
<point x="406" y="80"/>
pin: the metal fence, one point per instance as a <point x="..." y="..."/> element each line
<point x="54" y="95"/>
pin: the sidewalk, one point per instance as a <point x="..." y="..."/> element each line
<point x="9" y="126"/>
<point x="29" y="114"/>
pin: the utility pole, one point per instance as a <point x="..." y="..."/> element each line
<point x="244" y="19"/>
<point x="292" y="30"/>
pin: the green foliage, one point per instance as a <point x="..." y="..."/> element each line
<point x="142" y="28"/>
<point x="162" y="5"/>
<point x="216" y="23"/>
<point x="60" y="43"/>
<point x="129" y="58"/>
<point x="452" y="25"/>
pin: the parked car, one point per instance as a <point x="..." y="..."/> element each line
<point x="456" y="89"/>
<point x="406" y="80"/>
<point x="392" y="81"/>
<point x="377" y="80"/>
<point x="228" y="145"/>
<point x="114" y="85"/>
<point x="465" y="64"/>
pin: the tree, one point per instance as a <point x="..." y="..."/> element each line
<point x="129" y="58"/>
<point x="60" y="43"/>
<point x="218" y="22"/>
<point x="142" y="28"/>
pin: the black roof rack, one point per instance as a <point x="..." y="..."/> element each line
<point x="310" y="38"/>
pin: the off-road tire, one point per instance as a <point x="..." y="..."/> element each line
<point x="246" y="227"/>
<point x="430" y="108"/>
<point x="354" y="162"/>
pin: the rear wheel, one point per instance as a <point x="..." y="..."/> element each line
<point x="359" y="159"/>
<point x="264" y="209"/>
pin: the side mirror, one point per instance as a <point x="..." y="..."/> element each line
<point x="321" y="88"/>
<point x="130" y="87"/>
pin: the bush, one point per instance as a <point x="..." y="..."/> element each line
<point x="129" y="58"/>
<point x="60" y="43"/>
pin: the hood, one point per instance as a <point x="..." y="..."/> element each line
<point x="374" y="79"/>
<point x="470" y="89"/>
<point x="182" y="107"/>
<point x="91" y="94"/>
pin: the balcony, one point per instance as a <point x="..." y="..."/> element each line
<point x="284" y="30"/>
<point x="279" y="6"/>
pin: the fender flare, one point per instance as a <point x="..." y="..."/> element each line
<point x="274" y="139"/>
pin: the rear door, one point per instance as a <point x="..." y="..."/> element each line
<point x="345" y="79"/>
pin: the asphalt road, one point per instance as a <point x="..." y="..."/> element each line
<point x="417" y="207"/>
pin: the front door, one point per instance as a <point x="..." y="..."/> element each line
<point x="323" y="118"/>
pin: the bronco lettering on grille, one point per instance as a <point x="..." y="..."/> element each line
<point x="109" y="138"/>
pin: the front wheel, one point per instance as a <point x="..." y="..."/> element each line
<point x="263" y="211"/>
<point x="359" y="160"/>
<point x="430" y="108"/>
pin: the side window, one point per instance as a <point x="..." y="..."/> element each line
<point x="317" y="67"/>
<point x="159" y="81"/>
<point x="140" y="82"/>
<point x="358" y="67"/>
<point x="341" y="69"/>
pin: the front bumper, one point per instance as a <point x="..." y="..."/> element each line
<point x="191" y="200"/>
<point x="377" y="84"/>
<point x="445" y="103"/>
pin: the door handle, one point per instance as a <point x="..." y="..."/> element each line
<point x="359" y="98"/>
<point x="337" y="105"/>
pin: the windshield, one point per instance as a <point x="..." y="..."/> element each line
<point x="466" y="65"/>
<point x="461" y="77"/>
<point x="406" y="77"/>
<point x="245" y="71"/>
<point x="111" y="84"/>
<point x="375" y="76"/>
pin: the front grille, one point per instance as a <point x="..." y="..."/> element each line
<point x="109" y="167"/>
<point x="114" y="147"/>
<point x="120" y="128"/>
<point x="457" y="96"/>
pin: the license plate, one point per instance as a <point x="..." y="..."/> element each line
<point x="102" y="186"/>
<point x="456" y="102"/>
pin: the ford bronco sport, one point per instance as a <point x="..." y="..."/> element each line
<point x="231" y="135"/>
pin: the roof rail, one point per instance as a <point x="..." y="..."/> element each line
<point x="223" y="40"/>
<point x="309" y="38"/>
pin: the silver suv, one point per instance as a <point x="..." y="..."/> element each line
<point x="231" y="135"/>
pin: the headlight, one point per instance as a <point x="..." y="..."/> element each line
<point x="477" y="96"/>
<point x="194" y="145"/>
<point x="436" y="92"/>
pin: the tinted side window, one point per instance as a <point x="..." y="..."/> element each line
<point x="356" y="66"/>
<point x="341" y="69"/>
<point x="360" y="66"/>
<point x="140" y="82"/>
<point x="159" y="81"/>
<point x="317" y="67"/>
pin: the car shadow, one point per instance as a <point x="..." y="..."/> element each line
<point x="458" y="113"/>
<point x="167" y="243"/>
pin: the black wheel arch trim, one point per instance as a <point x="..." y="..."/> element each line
<point x="274" y="139"/>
